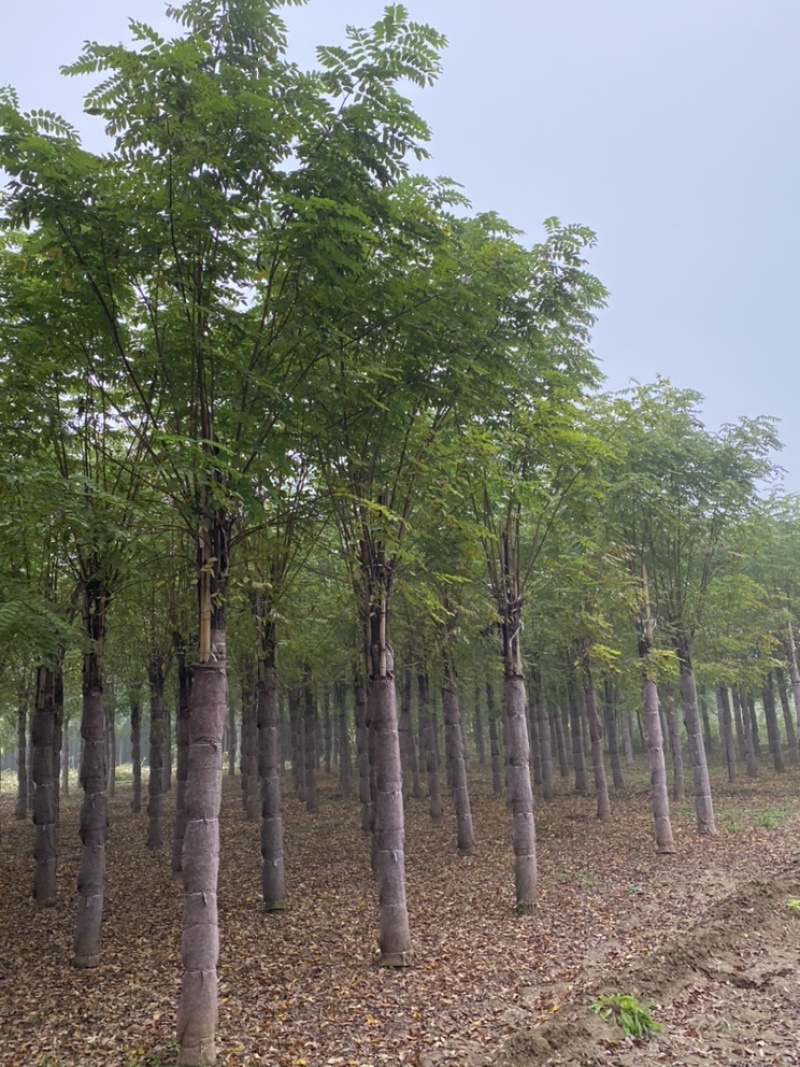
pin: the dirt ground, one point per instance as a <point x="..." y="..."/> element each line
<point x="705" y="936"/>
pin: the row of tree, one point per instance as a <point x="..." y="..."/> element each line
<point x="264" y="387"/>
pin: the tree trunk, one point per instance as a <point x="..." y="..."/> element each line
<point x="182" y="753"/>
<point x="249" y="749"/>
<point x="362" y="753"/>
<point x="703" y="805"/>
<point x="93" y="780"/>
<point x="431" y="754"/>
<point x="726" y="731"/>
<point x="111" y="746"/>
<point x="659" y="794"/>
<point x="309" y="725"/>
<point x="231" y="739"/>
<point x="520" y="795"/>
<point x="454" y="743"/>
<point x="480" y="743"/>
<point x="791" y="735"/>
<point x="794" y="672"/>
<point x="135" y="701"/>
<point x="155" y="783"/>
<point x="167" y="747"/>
<point x="747" y="728"/>
<point x="675" y="745"/>
<point x="610" y="714"/>
<point x="65" y="759"/>
<point x="533" y="734"/>
<point x="21" y="807"/>
<point x="739" y="723"/>
<point x="345" y="755"/>
<point x="273" y="888"/>
<point x="43" y="728"/>
<point x="708" y="738"/>
<point x="494" y="742"/>
<point x="596" y="735"/>
<point x="627" y="738"/>
<point x="561" y="742"/>
<point x="578" y="759"/>
<point x="751" y="709"/>
<point x="327" y="730"/>
<point x="545" y="747"/>
<point x="771" y="718"/>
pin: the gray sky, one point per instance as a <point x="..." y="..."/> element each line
<point x="668" y="126"/>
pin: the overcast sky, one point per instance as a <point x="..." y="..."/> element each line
<point x="668" y="126"/>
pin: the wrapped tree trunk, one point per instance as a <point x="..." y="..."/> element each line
<point x="703" y="805"/>
<point x="43" y="729"/>
<point x="182" y="753"/>
<point x="454" y="743"/>
<point x="155" y="783"/>
<point x="429" y="743"/>
<point x="249" y="749"/>
<point x="93" y="779"/>
<point x="135" y="703"/>
<point x="198" y="1006"/>
<point x="273" y="890"/>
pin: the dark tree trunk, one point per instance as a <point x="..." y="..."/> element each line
<point x="345" y="755"/>
<point x="182" y="753"/>
<point x="155" y="785"/>
<point x="65" y="760"/>
<point x="726" y="731"/>
<point x="93" y="779"/>
<point x="675" y="745"/>
<point x="135" y="701"/>
<point x="610" y="714"/>
<point x="627" y="738"/>
<point x="739" y="723"/>
<point x="230" y="732"/>
<point x="273" y="889"/>
<point x="578" y="760"/>
<point x="708" y="737"/>
<point x="771" y="718"/>
<point x="362" y="753"/>
<point x="480" y="743"/>
<point x="791" y="735"/>
<point x="327" y="730"/>
<point x="310" y="745"/>
<point x="429" y="744"/>
<point x="249" y="749"/>
<point x="747" y="728"/>
<point x="21" y="807"/>
<point x="297" y="744"/>
<point x="454" y="743"/>
<point x="167" y="747"/>
<point x="750" y="704"/>
<point x="561" y="742"/>
<point x="43" y="730"/>
<point x="703" y="805"/>
<point x="494" y="742"/>
<point x="596" y="735"/>
<point x="111" y="746"/>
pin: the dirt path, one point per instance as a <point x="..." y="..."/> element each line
<point x="302" y="989"/>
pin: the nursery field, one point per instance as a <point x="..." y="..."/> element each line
<point x="707" y="938"/>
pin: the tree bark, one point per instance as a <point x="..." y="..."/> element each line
<point x="794" y="671"/>
<point x="362" y="753"/>
<point x="726" y="730"/>
<point x="454" y="743"/>
<point x="345" y="755"/>
<point x="494" y="742"/>
<point x="21" y="807"/>
<point x="93" y="780"/>
<point x="249" y="749"/>
<point x="770" y="715"/>
<point x="408" y="749"/>
<point x="578" y="759"/>
<point x="327" y="730"/>
<point x="610" y="714"/>
<point x="43" y="729"/>
<point x="750" y="704"/>
<point x="675" y="745"/>
<point x="309" y="725"/>
<point x="561" y="742"/>
<point x="747" y="728"/>
<point x="596" y="735"/>
<point x="431" y="755"/>
<point x="703" y="805"/>
<point x="791" y="735"/>
<point x="135" y="702"/>
<point x="273" y="889"/>
<point x="546" y="748"/>
<point x="155" y="783"/>
<point x="182" y="751"/>
<point x="739" y="723"/>
<point x="520" y="794"/>
<point x="659" y="794"/>
<point x="480" y="743"/>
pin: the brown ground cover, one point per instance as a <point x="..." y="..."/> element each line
<point x="705" y="935"/>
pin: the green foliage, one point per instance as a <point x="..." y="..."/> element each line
<point x="793" y="904"/>
<point x="772" y="818"/>
<point x="626" y="1011"/>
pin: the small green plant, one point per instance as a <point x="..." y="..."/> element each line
<point x="793" y="904"/>
<point x="772" y="818"/>
<point x="633" y="1018"/>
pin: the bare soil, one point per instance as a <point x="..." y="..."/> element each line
<point x="705" y="936"/>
